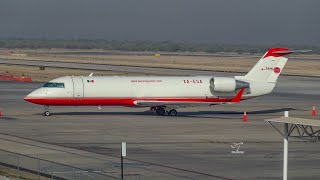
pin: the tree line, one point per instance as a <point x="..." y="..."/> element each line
<point x="167" y="46"/>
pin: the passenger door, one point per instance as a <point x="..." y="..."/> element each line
<point x="77" y="87"/>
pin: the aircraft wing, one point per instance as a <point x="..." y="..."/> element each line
<point x="179" y="104"/>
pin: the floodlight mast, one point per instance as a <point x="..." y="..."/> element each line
<point x="285" y="148"/>
<point x="303" y="128"/>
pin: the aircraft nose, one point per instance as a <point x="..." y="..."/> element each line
<point x="34" y="96"/>
<point x="27" y="98"/>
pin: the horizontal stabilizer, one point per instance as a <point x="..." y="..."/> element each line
<point x="290" y="51"/>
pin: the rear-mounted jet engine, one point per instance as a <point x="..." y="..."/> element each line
<point x="226" y="84"/>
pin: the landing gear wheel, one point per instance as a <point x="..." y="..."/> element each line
<point x="47" y="113"/>
<point x="172" y="112"/>
<point x="160" y="111"/>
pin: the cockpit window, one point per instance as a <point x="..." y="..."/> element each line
<point x="54" y="85"/>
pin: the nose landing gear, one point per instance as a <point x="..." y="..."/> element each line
<point x="46" y="111"/>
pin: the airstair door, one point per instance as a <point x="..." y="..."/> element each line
<point x="77" y="87"/>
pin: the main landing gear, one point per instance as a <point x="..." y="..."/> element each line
<point x="172" y="112"/>
<point x="163" y="111"/>
<point x="46" y="111"/>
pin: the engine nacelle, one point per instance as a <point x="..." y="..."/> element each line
<point x="227" y="84"/>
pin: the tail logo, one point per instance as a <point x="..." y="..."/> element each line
<point x="276" y="70"/>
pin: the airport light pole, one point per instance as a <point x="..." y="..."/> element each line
<point x="123" y="154"/>
<point x="295" y="127"/>
<point x="121" y="167"/>
<point x="285" y="148"/>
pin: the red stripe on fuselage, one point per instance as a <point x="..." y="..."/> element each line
<point x="113" y="101"/>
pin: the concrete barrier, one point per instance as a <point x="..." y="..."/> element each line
<point x="15" y="78"/>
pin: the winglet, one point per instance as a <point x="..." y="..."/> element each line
<point x="237" y="98"/>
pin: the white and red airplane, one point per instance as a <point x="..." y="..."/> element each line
<point x="163" y="94"/>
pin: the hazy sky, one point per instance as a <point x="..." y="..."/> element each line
<point x="210" y="21"/>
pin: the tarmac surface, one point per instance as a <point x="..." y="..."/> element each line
<point x="108" y="67"/>
<point x="194" y="145"/>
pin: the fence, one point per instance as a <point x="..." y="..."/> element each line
<point x="47" y="169"/>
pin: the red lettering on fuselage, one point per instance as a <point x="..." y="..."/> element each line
<point x="146" y="81"/>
